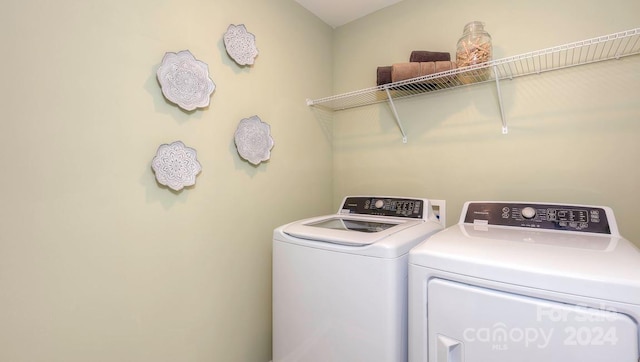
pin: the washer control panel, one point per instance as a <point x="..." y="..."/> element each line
<point x="384" y="206"/>
<point x="590" y="219"/>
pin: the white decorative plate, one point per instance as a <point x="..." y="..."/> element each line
<point x="253" y="140"/>
<point x="240" y="44"/>
<point x="185" y="81"/>
<point x="176" y="165"/>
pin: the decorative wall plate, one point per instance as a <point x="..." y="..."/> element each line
<point x="253" y="140"/>
<point x="185" y="81"/>
<point x="240" y="44"/>
<point x="176" y="165"/>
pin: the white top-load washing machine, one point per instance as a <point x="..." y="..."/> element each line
<point x="518" y="282"/>
<point x="340" y="281"/>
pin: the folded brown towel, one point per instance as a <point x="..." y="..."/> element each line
<point x="404" y="71"/>
<point x="442" y="66"/>
<point x="384" y="75"/>
<point x="427" y="68"/>
<point x="427" y="56"/>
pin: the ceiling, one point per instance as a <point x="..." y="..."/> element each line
<point x="340" y="12"/>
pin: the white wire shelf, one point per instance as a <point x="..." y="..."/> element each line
<point x="602" y="48"/>
<point x="607" y="47"/>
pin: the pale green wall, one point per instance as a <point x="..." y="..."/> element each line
<point x="97" y="261"/>
<point x="574" y="135"/>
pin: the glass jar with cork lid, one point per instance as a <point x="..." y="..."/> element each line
<point x="474" y="47"/>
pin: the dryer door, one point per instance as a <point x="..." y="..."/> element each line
<point x="473" y="324"/>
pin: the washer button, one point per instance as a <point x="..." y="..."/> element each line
<point x="528" y="212"/>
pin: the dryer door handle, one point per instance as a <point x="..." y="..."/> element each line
<point x="448" y="349"/>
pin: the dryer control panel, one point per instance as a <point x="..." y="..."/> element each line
<point x="592" y="219"/>
<point x="383" y="206"/>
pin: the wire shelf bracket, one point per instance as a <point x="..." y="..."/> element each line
<point x="395" y="114"/>
<point x="502" y="116"/>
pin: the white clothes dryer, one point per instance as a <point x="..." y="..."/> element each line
<point x="340" y="281"/>
<point x="515" y="281"/>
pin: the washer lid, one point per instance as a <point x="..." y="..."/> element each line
<point x="591" y="265"/>
<point x="347" y="229"/>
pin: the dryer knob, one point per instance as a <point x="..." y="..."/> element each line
<point x="528" y="212"/>
<point x="379" y="204"/>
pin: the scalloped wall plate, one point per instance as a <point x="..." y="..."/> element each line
<point x="253" y="140"/>
<point x="176" y="165"/>
<point x="185" y="80"/>
<point x="240" y="44"/>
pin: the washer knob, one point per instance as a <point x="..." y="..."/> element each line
<point x="528" y="212"/>
<point x="379" y="204"/>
